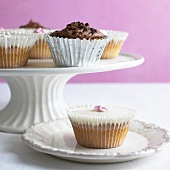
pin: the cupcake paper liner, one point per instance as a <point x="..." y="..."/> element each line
<point x="102" y="136"/>
<point x="75" y="52"/>
<point x="15" y="48"/>
<point x="115" y="43"/>
<point x="40" y="50"/>
<point x="100" y="132"/>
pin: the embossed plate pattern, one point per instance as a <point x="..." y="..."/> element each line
<point x="57" y="138"/>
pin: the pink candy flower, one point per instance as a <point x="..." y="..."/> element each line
<point x="100" y="108"/>
<point x="39" y="30"/>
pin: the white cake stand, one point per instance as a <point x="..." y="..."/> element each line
<point x="37" y="90"/>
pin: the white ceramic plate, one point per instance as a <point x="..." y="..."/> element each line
<point x="57" y="138"/>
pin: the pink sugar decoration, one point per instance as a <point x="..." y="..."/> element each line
<point x="100" y="108"/>
<point x="39" y="30"/>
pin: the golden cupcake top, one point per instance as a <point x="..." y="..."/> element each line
<point x="78" y="30"/>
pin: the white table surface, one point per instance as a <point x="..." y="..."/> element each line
<point x="152" y="102"/>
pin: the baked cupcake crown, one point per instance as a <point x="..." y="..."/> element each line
<point x="32" y="24"/>
<point x="78" y="30"/>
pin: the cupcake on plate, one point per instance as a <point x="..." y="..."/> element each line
<point x="100" y="126"/>
<point x="116" y="40"/>
<point x="77" y="45"/>
<point x="41" y="49"/>
<point x="15" y="48"/>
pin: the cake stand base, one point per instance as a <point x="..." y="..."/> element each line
<point x="34" y="99"/>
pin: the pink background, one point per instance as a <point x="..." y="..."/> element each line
<point x="147" y="21"/>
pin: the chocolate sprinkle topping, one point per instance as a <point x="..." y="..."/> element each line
<point x="78" y="30"/>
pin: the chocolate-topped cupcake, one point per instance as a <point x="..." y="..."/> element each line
<point x="32" y="24"/>
<point x="76" y="45"/>
<point x="79" y="30"/>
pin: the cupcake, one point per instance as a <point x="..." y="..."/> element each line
<point x="100" y="126"/>
<point x="15" y="48"/>
<point x="77" y="45"/>
<point x="115" y="43"/>
<point x="41" y="49"/>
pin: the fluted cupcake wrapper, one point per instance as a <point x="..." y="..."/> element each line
<point x="40" y="50"/>
<point x="102" y="136"/>
<point x="75" y="52"/>
<point x="14" y="49"/>
<point x="116" y="40"/>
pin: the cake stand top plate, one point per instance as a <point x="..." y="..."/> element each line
<point x="47" y="66"/>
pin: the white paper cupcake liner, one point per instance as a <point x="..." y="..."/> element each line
<point x="75" y="52"/>
<point x="101" y="137"/>
<point x="41" y="48"/>
<point x="17" y="39"/>
<point x="115" y="35"/>
<point x="100" y="131"/>
<point x="116" y="40"/>
<point x="14" y="49"/>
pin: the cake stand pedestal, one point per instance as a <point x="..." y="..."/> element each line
<point x="37" y="90"/>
